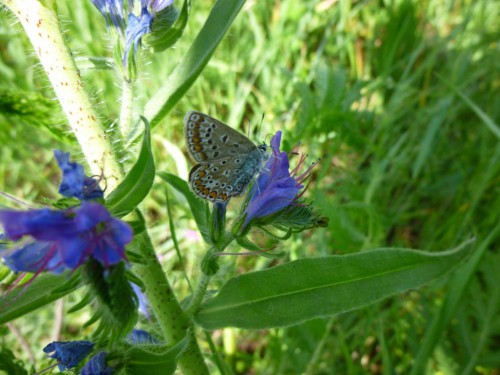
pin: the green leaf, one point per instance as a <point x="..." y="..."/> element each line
<point x="190" y="67"/>
<point x="143" y="359"/>
<point x="117" y="302"/>
<point x="320" y="287"/>
<point x="442" y="318"/>
<point x="9" y="364"/>
<point x="168" y="27"/>
<point x="43" y="290"/>
<point x="487" y="120"/>
<point x="199" y="208"/>
<point x="34" y="109"/>
<point x="136" y="185"/>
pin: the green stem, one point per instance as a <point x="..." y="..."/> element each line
<point x="209" y="267"/>
<point x="173" y="321"/>
<point x="43" y="29"/>
<point x="198" y="294"/>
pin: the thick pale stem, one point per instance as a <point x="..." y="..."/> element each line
<point x="126" y="109"/>
<point x="43" y="29"/>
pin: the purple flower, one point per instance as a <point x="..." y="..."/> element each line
<point x="30" y="257"/>
<point x="74" y="182"/>
<point x="97" y="366"/>
<point x="64" y="239"/>
<point x="136" y="26"/>
<point x="112" y="10"/>
<point x="277" y="187"/>
<point x="69" y="353"/>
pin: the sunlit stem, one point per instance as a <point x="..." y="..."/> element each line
<point x="127" y="107"/>
<point x="42" y="27"/>
<point x="211" y="257"/>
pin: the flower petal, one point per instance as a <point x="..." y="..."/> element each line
<point x="68" y="353"/>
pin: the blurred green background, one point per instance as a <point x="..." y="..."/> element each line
<point x="400" y="101"/>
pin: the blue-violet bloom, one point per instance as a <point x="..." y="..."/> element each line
<point x="64" y="239"/>
<point x="97" y="366"/>
<point x="277" y="187"/>
<point x="74" y="182"/>
<point x="139" y="336"/>
<point x="143" y="300"/>
<point x="112" y="10"/>
<point x="136" y="26"/>
<point x="68" y="353"/>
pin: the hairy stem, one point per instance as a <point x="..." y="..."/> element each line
<point x="126" y="108"/>
<point x="42" y="26"/>
<point x="173" y="321"/>
<point x="209" y="265"/>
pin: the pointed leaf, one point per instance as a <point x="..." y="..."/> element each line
<point x="199" y="208"/>
<point x="136" y="185"/>
<point x="165" y="34"/>
<point x="43" y="290"/>
<point x="144" y="359"/>
<point x="189" y="68"/>
<point x="320" y="287"/>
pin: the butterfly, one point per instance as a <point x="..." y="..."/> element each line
<point x="227" y="160"/>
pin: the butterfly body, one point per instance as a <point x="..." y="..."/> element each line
<point x="227" y="160"/>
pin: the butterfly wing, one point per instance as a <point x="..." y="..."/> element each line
<point x="224" y="178"/>
<point x="209" y="139"/>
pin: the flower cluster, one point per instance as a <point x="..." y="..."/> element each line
<point x="68" y="353"/>
<point x="65" y="239"/>
<point x="130" y="26"/>
<point x="74" y="182"/>
<point x="275" y="196"/>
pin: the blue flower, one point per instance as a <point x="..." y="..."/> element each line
<point x="68" y="353"/>
<point x="74" y="182"/>
<point x="277" y="187"/>
<point x="112" y="10"/>
<point x="97" y="366"/>
<point x="139" y="336"/>
<point x="64" y="239"/>
<point x="136" y="26"/>
<point x="139" y="26"/>
<point x="143" y="300"/>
